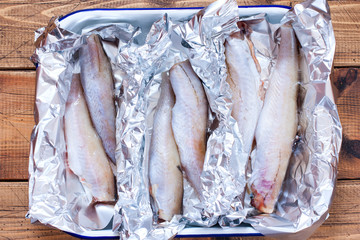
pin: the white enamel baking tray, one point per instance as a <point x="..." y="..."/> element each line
<point x="144" y="18"/>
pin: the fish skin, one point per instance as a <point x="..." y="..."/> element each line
<point x="245" y="88"/>
<point x="86" y="155"/>
<point x="189" y="120"/>
<point x="277" y="126"/>
<point x="165" y="174"/>
<point x="98" y="85"/>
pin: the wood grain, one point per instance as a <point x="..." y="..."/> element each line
<point x="17" y="91"/>
<point x="347" y="85"/>
<point x="19" y="20"/>
<point x="13" y="208"/>
<point x="344" y="219"/>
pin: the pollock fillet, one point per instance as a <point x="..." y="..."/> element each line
<point x="277" y="126"/>
<point x="97" y="81"/>
<point x="245" y="84"/>
<point x="86" y="156"/>
<point x="165" y="173"/>
<point x="189" y="119"/>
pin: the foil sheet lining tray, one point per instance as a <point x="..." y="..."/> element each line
<point x="144" y="18"/>
<point x="319" y="130"/>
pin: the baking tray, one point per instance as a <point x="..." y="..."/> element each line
<point x="144" y="18"/>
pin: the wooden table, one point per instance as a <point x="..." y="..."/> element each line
<point x="19" y="19"/>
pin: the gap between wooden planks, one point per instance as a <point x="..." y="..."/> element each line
<point x="19" y="20"/>
<point x="17" y="91"/>
<point x="344" y="217"/>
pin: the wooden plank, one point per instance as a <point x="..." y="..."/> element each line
<point x="13" y="208"/>
<point x="17" y="91"/>
<point x="346" y="22"/>
<point x="347" y="84"/>
<point x="325" y="232"/>
<point x="19" y="19"/>
<point x="344" y="220"/>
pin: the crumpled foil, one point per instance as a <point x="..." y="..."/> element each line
<point x="203" y="40"/>
<point x="56" y="196"/>
<point x="308" y="187"/>
<point x="307" y="190"/>
<point x="264" y="38"/>
<point x="137" y="91"/>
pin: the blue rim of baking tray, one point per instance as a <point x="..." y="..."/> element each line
<point x="133" y="9"/>
<point x="177" y="236"/>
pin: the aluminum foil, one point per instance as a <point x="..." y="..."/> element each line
<point x="56" y="196"/>
<point x="307" y="191"/>
<point x="308" y="188"/>
<point x="264" y="38"/>
<point x="225" y="172"/>
<point x="203" y="40"/>
<point x="137" y="91"/>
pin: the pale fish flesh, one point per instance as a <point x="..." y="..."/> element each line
<point x="86" y="156"/>
<point x="166" y="180"/>
<point x="97" y="81"/>
<point x="277" y="126"/>
<point x="246" y="86"/>
<point x="189" y="121"/>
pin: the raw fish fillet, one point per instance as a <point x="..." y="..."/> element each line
<point x="166" y="180"/>
<point x="276" y="127"/>
<point x="97" y="81"/>
<point x="189" y="119"/>
<point x="86" y="156"/>
<point x="246" y="86"/>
